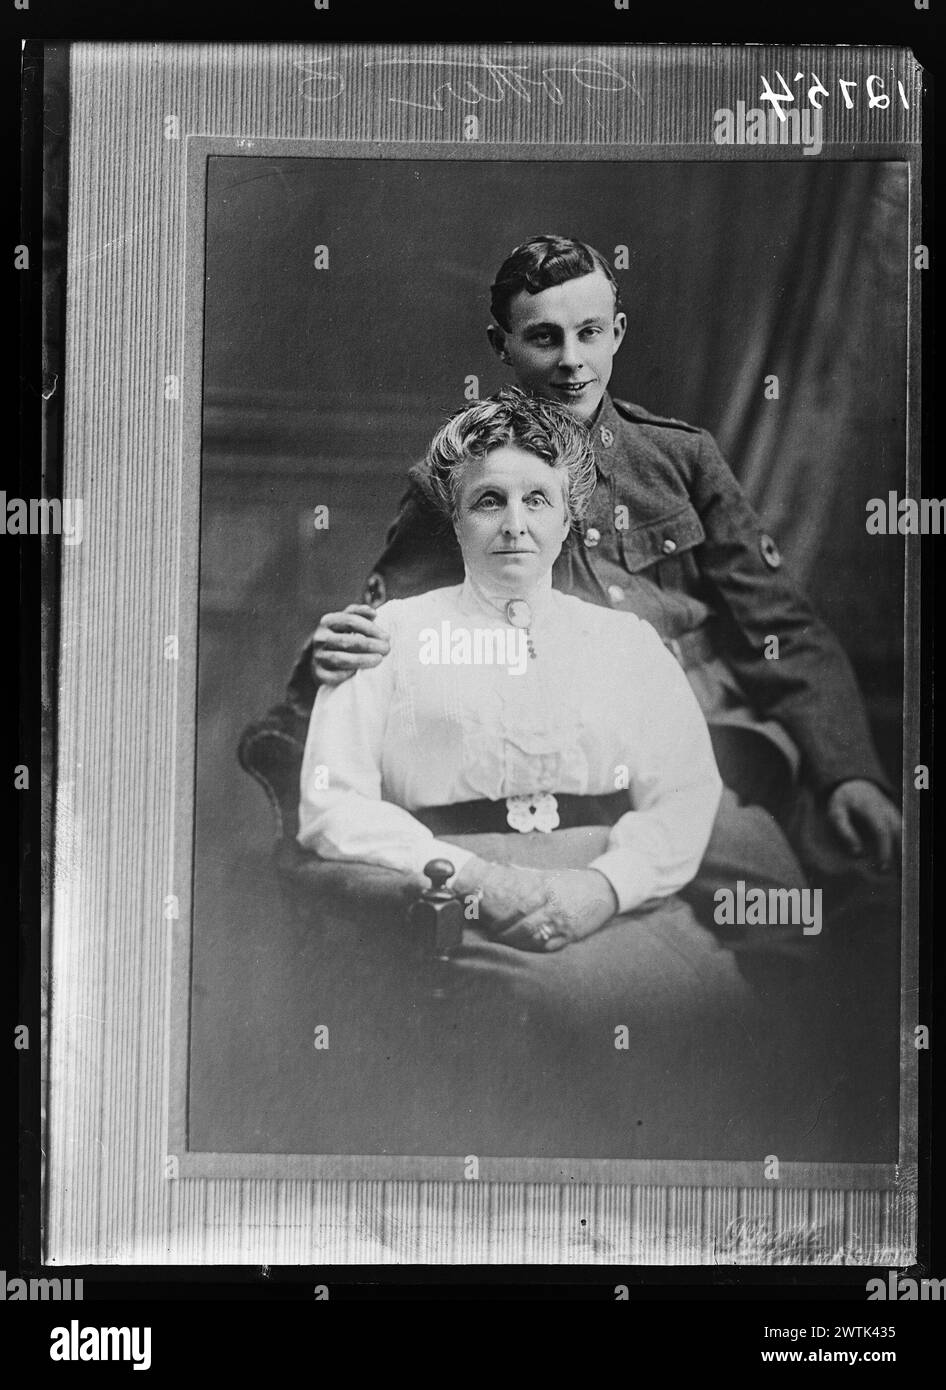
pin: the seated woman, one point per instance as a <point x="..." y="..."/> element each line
<point x="553" y="751"/>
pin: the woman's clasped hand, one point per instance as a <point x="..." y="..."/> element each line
<point x="537" y="910"/>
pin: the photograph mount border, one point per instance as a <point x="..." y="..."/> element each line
<point x="682" y="1173"/>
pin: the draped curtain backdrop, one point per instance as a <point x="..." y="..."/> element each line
<point x="824" y="309"/>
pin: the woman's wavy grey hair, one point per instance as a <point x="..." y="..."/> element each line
<point x="542" y="427"/>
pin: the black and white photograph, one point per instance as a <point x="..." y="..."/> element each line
<point x="487" y="782"/>
<point x="697" y="955"/>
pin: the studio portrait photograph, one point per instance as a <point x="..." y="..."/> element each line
<point x="488" y="757"/>
<point x="630" y="673"/>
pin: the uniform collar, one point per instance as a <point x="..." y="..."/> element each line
<point x="605" y="434"/>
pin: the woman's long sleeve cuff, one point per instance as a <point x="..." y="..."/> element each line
<point x="630" y="874"/>
<point x="376" y="837"/>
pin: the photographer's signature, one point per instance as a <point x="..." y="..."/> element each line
<point x="468" y="81"/>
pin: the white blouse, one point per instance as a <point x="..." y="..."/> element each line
<point x="461" y="710"/>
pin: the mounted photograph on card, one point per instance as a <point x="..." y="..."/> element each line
<point x="512" y="776"/>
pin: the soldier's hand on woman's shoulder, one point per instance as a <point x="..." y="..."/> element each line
<point x="346" y="642"/>
<point x="866" y="821"/>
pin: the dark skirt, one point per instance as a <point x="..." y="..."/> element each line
<point x="660" y="1036"/>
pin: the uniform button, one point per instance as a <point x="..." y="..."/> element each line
<point x="615" y="594"/>
<point x="607" y="436"/>
<point x="669" y="546"/>
<point x="770" y="552"/>
<point x="592" y="536"/>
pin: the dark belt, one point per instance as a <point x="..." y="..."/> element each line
<point x="484" y="817"/>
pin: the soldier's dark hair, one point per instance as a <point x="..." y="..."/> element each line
<point x="541" y="427"/>
<point x="540" y="263"/>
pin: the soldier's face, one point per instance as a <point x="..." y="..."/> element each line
<point x="561" y="342"/>
<point x="511" y="519"/>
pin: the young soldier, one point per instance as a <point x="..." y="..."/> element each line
<point x="671" y="537"/>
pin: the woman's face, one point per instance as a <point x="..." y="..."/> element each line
<point x="511" y="519"/>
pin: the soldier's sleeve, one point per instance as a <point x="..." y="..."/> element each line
<point x="420" y="553"/>
<point x="811" y="688"/>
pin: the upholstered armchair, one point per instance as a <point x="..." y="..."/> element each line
<point x="271" y="750"/>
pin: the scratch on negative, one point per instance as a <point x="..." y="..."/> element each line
<point x="116" y="241"/>
<point x="821" y="1105"/>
